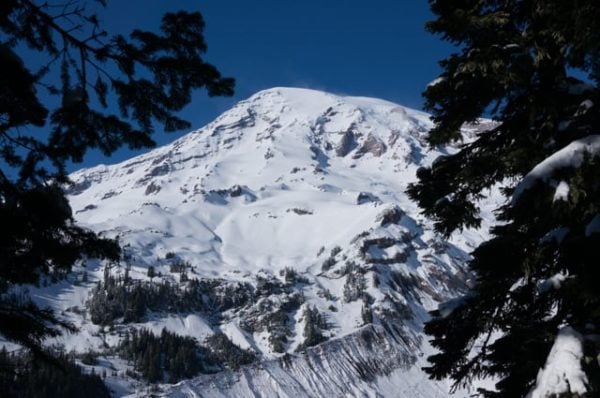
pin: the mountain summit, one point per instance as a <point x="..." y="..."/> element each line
<point x="280" y="239"/>
<point x="228" y="195"/>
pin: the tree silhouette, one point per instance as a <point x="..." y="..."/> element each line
<point x="53" y="110"/>
<point x="533" y="66"/>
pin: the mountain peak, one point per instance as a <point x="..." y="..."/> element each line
<point x="243" y="191"/>
<point x="312" y="103"/>
<point x="282" y="224"/>
<point x="290" y="137"/>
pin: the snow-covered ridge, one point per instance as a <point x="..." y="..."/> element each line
<point x="289" y="207"/>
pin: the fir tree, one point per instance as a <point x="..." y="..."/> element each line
<point x="53" y="110"/>
<point x="313" y="327"/>
<point x="180" y="357"/>
<point x="534" y="67"/>
<point x="151" y="272"/>
<point x="22" y="377"/>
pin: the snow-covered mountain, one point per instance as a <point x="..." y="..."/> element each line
<point x="288" y="214"/>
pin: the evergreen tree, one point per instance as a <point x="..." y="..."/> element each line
<point x="533" y="66"/>
<point x="22" y="377"/>
<point x="224" y="352"/>
<point x="53" y="110"/>
<point x="155" y="357"/>
<point x="313" y="328"/>
<point x="151" y="272"/>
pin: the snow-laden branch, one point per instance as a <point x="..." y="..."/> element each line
<point x="570" y="156"/>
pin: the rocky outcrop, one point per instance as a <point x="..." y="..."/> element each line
<point x="347" y="366"/>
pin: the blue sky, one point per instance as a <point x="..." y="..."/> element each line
<point x="375" y="48"/>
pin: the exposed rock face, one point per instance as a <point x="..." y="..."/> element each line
<point x="152" y="188"/>
<point x="372" y="145"/>
<point x="367" y="197"/>
<point x="79" y="187"/>
<point x="235" y="191"/>
<point x="392" y="215"/>
<point x="347" y="143"/>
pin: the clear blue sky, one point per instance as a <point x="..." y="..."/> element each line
<point x="373" y="48"/>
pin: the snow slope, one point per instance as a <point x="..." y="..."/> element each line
<point x="295" y="187"/>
